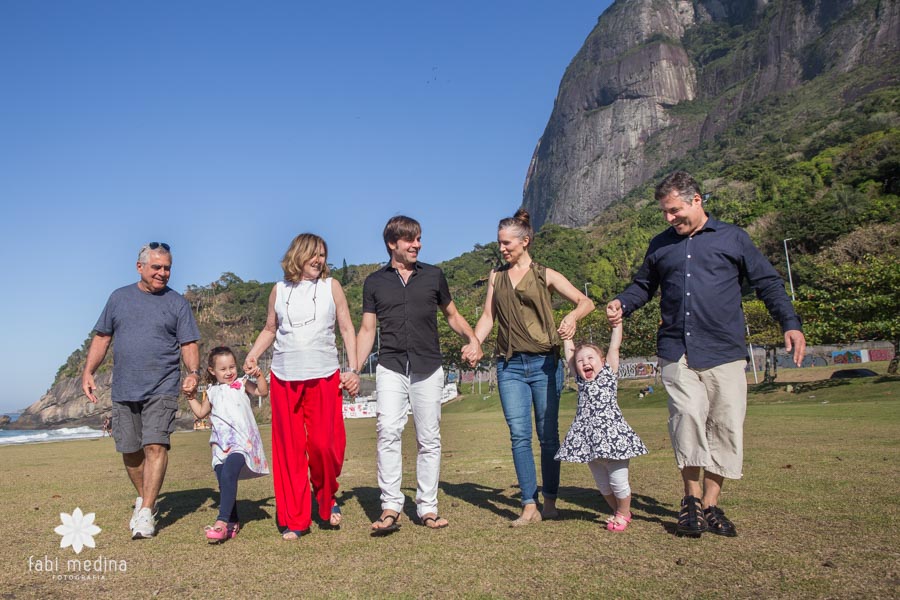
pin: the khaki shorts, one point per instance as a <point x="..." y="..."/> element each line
<point x="706" y="415"/>
<point x="137" y="424"/>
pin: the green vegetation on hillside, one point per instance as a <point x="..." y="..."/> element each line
<point x="818" y="166"/>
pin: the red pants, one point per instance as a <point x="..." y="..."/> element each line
<point x="308" y="441"/>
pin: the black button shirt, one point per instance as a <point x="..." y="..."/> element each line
<point x="700" y="279"/>
<point x="407" y="315"/>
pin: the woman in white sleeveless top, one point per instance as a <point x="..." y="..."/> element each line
<point x="308" y="436"/>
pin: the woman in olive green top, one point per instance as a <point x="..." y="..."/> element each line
<point x="528" y="339"/>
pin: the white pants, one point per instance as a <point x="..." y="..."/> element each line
<point x="396" y="393"/>
<point x="611" y="477"/>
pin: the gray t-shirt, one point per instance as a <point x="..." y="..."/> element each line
<point x="148" y="331"/>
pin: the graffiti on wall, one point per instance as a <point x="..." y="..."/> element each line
<point x="846" y="357"/>
<point x="881" y="354"/>
<point x="638" y="369"/>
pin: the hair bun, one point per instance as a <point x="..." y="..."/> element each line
<point x="523" y="216"/>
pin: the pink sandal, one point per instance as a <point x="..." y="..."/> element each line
<point x="619" y="522"/>
<point x="217" y="533"/>
<point x="233" y="529"/>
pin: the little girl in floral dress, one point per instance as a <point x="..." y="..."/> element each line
<point x="235" y="441"/>
<point x="599" y="435"/>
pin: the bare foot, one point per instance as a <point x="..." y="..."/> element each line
<point x="529" y="515"/>
<point x="387" y="522"/>
<point x="433" y="521"/>
<point x="335" y="519"/>
<point x="291" y="535"/>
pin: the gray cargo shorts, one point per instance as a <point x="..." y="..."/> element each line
<point x="137" y="424"/>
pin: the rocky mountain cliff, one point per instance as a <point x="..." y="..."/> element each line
<point x="65" y="405"/>
<point x="657" y="78"/>
<point x="788" y="111"/>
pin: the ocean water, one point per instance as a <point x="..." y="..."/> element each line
<point x="31" y="436"/>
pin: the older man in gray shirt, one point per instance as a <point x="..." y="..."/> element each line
<point x="154" y="328"/>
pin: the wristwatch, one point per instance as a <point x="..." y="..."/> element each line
<point x="194" y="372"/>
<point x="354" y="371"/>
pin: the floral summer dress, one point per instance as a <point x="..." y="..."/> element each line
<point x="234" y="428"/>
<point x="599" y="429"/>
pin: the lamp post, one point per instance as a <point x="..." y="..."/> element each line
<point x="787" y="257"/>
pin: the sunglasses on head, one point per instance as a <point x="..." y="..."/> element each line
<point x="155" y="245"/>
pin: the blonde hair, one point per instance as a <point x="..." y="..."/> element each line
<point x="520" y="224"/>
<point x="304" y="247"/>
<point x="593" y="347"/>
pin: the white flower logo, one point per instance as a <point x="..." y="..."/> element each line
<point x="77" y="530"/>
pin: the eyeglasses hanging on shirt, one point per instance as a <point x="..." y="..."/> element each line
<point x="287" y="304"/>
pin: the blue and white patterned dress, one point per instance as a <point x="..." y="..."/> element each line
<point x="599" y="429"/>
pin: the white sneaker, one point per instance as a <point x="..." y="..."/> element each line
<point x="144" y="526"/>
<point x="137" y="509"/>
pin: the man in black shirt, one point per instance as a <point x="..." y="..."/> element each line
<point x="403" y="297"/>
<point x="699" y="264"/>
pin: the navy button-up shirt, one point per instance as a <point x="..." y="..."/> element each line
<point x="407" y="314"/>
<point x="700" y="279"/>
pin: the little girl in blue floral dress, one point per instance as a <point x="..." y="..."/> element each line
<point x="235" y="441"/>
<point x="599" y="435"/>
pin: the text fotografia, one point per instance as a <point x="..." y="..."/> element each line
<point x="77" y="569"/>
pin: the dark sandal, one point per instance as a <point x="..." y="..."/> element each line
<point x="718" y="523"/>
<point x="426" y="520"/>
<point x="386" y="529"/>
<point x="690" y="520"/>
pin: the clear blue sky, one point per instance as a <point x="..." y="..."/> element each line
<point x="225" y="128"/>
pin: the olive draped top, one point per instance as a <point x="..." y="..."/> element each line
<point x="524" y="313"/>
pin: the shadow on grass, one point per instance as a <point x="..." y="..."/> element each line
<point x="484" y="497"/>
<point x="369" y="499"/>
<point x="646" y="508"/>
<point x="175" y="505"/>
<point x="801" y="388"/>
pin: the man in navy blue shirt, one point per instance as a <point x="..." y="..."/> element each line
<point x="699" y="264"/>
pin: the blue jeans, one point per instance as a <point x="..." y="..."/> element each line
<point x="527" y="380"/>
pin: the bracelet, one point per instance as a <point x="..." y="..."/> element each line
<point x="195" y="372"/>
<point x="354" y="371"/>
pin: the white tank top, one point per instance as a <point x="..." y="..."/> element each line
<point x="304" y="340"/>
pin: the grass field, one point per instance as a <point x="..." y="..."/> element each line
<point x="818" y="513"/>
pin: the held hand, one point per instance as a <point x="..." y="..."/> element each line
<point x="567" y="328"/>
<point x="88" y="386"/>
<point x="794" y="340"/>
<point x="472" y="353"/>
<point x="614" y="312"/>
<point x="189" y="386"/>
<point x="253" y="372"/>
<point x="250" y="364"/>
<point x="350" y="382"/>
<point x="479" y="354"/>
